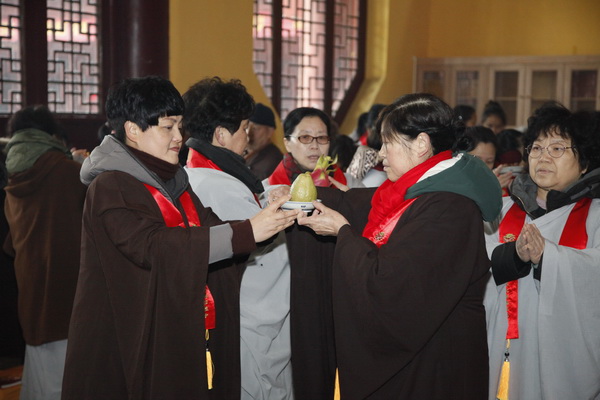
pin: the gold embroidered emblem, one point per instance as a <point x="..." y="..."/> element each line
<point x="509" y="237"/>
<point x="379" y="236"/>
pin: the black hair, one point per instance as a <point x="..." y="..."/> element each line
<point x="213" y="102"/>
<point x="344" y="148"/>
<point x="509" y="139"/>
<point x="474" y="135"/>
<point x="373" y="114"/>
<point x="582" y="128"/>
<point x="464" y="112"/>
<point x="361" y="124"/>
<point x="141" y="101"/>
<point x="295" y="116"/>
<point x="414" y="113"/>
<point x="36" y="117"/>
<point x="493" y="108"/>
<point x="374" y="136"/>
<point x="103" y="131"/>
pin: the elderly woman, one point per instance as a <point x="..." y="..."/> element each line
<point x="307" y="135"/>
<point x="146" y="297"/>
<point x="542" y="303"/>
<point x="410" y="264"/>
<point x="216" y="117"/>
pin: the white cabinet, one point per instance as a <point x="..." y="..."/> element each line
<point x="519" y="84"/>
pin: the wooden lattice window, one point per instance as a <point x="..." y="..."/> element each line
<point x="73" y="56"/>
<point x="56" y="62"/>
<point x="66" y="53"/>
<point x="11" y="87"/>
<point x="310" y="52"/>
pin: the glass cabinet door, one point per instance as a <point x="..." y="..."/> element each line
<point x="584" y="89"/>
<point x="506" y="92"/>
<point x="434" y="82"/>
<point x="544" y="88"/>
<point x="467" y="88"/>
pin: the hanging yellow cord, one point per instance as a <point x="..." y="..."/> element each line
<point x="336" y="394"/>
<point x="504" y="375"/>
<point x="210" y="367"/>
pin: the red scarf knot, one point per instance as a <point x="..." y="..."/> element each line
<point x="388" y="203"/>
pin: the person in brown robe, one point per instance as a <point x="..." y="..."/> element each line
<point x="141" y="308"/>
<point x="410" y="263"/>
<point x="43" y="208"/>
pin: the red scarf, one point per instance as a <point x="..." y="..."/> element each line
<point x="173" y="218"/>
<point x="197" y="160"/>
<point x="574" y="235"/>
<point x="287" y="168"/>
<point x="388" y="203"/>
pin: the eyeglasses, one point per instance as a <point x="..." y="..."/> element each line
<point x="554" y="150"/>
<point x="307" y="139"/>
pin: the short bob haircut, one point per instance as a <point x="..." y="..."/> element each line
<point x="474" y="135"/>
<point x="582" y="128"/>
<point x="211" y="103"/>
<point x="141" y="101"/>
<point x="414" y="113"/>
<point x="33" y="117"/>
<point x="295" y="116"/>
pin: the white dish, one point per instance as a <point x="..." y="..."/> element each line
<point x="298" y="205"/>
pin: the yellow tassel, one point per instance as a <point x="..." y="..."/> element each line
<point x="210" y="367"/>
<point x="336" y="394"/>
<point x="504" y="376"/>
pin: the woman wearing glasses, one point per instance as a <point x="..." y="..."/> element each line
<point x="542" y="303"/>
<point x="307" y="135"/>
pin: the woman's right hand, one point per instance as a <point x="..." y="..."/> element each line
<point x="324" y="220"/>
<point x="272" y="219"/>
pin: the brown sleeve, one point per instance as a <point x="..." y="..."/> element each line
<point x="243" y="241"/>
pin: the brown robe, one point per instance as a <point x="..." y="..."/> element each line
<point x="137" y="329"/>
<point x="311" y="308"/>
<point x="409" y="318"/>
<point x="263" y="162"/>
<point x="43" y="208"/>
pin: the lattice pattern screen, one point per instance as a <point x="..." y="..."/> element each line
<point x="302" y="54"/>
<point x="11" y="89"/>
<point x="304" y="50"/>
<point x="346" y="41"/>
<point x="262" y="29"/>
<point x="73" y="62"/>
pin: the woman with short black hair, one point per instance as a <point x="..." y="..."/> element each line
<point x="144" y="308"/>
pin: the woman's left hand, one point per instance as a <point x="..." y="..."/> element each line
<point x="324" y="220"/>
